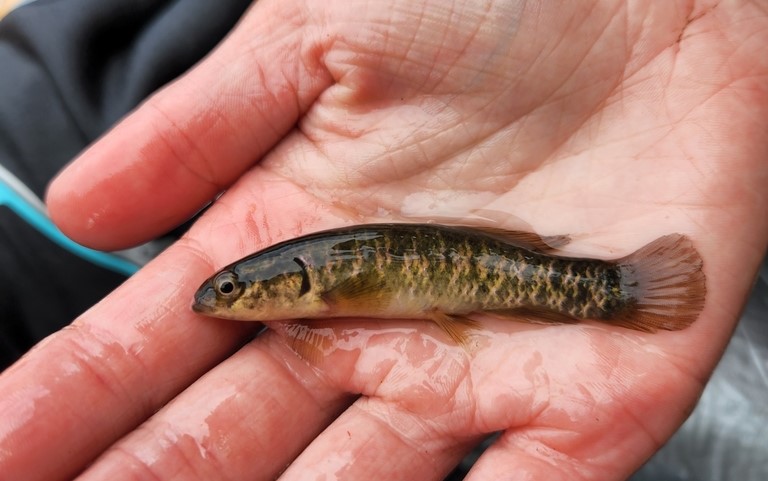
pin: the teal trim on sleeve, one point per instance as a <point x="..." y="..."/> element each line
<point x="31" y="212"/>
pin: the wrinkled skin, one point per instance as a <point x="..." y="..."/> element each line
<point x="616" y="121"/>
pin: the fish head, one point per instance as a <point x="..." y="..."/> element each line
<point x="260" y="289"/>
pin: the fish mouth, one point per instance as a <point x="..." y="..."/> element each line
<point x="201" y="308"/>
<point x="205" y="300"/>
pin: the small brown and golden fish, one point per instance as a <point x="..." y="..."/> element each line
<point x="447" y="273"/>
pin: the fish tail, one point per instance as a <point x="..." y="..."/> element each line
<point x="664" y="285"/>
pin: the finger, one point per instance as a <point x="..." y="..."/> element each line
<point x="195" y="137"/>
<point x="513" y="457"/>
<point x="376" y="440"/>
<point x="540" y="454"/>
<point x="415" y="421"/>
<point x="83" y="387"/>
<point x="246" y="419"/>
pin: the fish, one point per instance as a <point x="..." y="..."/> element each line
<point x="449" y="273"/>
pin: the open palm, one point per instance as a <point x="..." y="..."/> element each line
<point x="614" y="122"/>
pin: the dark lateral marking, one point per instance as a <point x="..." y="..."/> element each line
<point x="305" y="285"/>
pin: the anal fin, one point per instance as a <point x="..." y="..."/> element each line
<point x="309" y="343"/>
<point x="532" y="315"/>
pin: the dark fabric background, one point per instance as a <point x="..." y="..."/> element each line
<point x="69" y="69"/>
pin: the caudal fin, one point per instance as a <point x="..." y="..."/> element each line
<point x="667" y="285"/>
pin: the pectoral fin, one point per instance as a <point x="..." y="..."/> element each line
<point x="364" y="292"/>
<point x="457" y="327"/>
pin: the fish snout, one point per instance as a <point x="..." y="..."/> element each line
<point x="205" y="299"/>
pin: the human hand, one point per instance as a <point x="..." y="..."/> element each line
<point x="621" y="122"/>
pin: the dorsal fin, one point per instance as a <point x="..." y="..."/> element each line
<point x="489" y="221"/>
<point x="527" y="240"/>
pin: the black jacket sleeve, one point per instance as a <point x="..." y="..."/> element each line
<point x="69" y="69"/>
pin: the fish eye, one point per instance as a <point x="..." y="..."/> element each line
<point x="226" y="285"/>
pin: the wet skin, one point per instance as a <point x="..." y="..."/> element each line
<point x="622" y="122"/>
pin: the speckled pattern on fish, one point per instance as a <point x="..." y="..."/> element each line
<point x="446" y="273"/>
